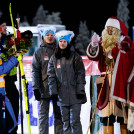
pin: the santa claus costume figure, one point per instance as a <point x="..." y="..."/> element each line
<point x="111" y="51"/>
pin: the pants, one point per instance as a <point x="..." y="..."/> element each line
<point x="44" y="117"/>
<point x="112" y="120"/>
<point x="13" y="95"/>
<point x="71" y="119"/>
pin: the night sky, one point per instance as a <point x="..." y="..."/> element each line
<point x="94" y="12"/>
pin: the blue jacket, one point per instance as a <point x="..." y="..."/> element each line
<point x="7" y="66"/>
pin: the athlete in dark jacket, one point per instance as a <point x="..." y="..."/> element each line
<point x="66" y="76"/>
<point x="40" y="82"/>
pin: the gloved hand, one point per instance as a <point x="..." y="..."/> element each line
<point x="95" y="40"/>
<point x="54" y="97"/>
<point x="20" y="57"/>
<point x="37" y="94"/>
<point x="80" y="96"/>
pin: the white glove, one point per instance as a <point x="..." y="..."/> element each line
<point x="95" y="40"/>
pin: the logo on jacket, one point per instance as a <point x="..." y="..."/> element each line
<point x="67" y="62"/>
<point x="46" y="57"/>
<point x="58" y="65"/>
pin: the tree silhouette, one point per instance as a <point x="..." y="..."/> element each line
<point x="43" y="17"/>
<point x="40" y="16"/>
<point x="24" y="22"/>
<point x="82" y="39"/>
<point x="123" y="12"/>
<point x="1" y="13"/>
<point x="54" y="18"/>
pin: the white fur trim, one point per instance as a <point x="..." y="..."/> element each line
<point x="122" y="38"/>
<point x="90" y="54"/>
<point x="131" y="75"/>
<point x="113" y="23"/>
<point x="114" y="77"/>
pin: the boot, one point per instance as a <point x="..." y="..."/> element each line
<point x="123" y="129"/>
<point x="108" y="129"/>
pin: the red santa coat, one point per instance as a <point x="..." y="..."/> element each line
<point x="122" y="83"/>
<point x="126" y="46"/>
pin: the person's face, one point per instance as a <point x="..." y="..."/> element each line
<point x="109" y="30"/>
<point x="49" y="38"/>
<point x="4" y="28"/>
<point x="63" y="44"/>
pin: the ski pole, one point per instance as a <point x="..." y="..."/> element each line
<point x="24" y="81"/>
<point x="25" y="89"/>
<point x="21" y="105"/>
<point x="20" y="89"/>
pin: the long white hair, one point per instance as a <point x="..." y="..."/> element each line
<point x="109" y="41"/>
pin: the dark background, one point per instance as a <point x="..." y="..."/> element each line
<point x="94" y="12"/>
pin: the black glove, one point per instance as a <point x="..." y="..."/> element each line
<point x="80" y="96"/>
<point x="37" y="94"/>
<point x="54" y="97"/>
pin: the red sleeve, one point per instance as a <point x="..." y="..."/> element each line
<point x="127" y="44"/>
<point x="115" y="51"/>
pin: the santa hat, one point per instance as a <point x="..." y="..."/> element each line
<point x="65" y="34"/>
<point x="117" y="23"/>
<point x="45" y="30"/>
